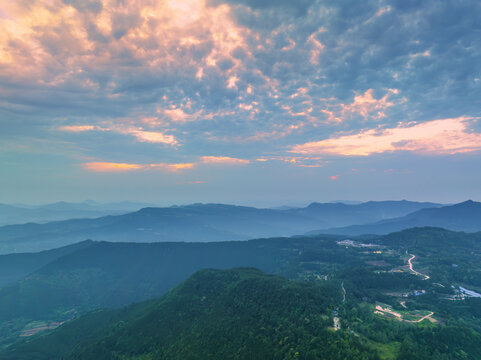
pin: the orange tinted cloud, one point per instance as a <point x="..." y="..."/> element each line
<point x="223" y="160"/>
<point x="152" y="32"/>
<point x="110" y="167"/>
<point x="171" y="167"/>
<point x="383" y="10"/>
<point x="140" y="135"/>
<point x="445" y="136"/>
<point x="367" y="105"/>
<point x="317" y="46"/>
<point x="78" y="128"/>
<point x="121" y="167"/>
<point x="153" y="137"/>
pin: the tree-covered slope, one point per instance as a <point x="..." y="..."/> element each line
<point x="372" y="270"/>
<point x="230" y="314"/>
<point x="14" y="267"/>
<point x="116" y="274"/>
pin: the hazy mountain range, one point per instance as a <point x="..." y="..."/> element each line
<point x="200" y="223"/>
<point x="465" y="216"/>
<point x="20" y="213"/>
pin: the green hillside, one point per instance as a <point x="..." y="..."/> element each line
<point x="14" y="267"/>
<point x="230" y="314"/>
<point x="108" y="275"/>
<point x="370" y="271"/>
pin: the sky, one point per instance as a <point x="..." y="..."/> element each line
<point x="257" y="102"/>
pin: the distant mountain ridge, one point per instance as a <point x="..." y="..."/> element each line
<point x="465" y="216"/>
<point x="363" y="213"/>
<point x="199" y="223"/>
<point x="21" y="214"/>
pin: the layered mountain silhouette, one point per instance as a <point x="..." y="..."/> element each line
<point x="20" y="214"/>
<point x="199" y="223"/>
<point x="465" y="216"/>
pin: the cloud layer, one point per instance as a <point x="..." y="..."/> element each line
<point x="148" y="85"/>
<point x="446" y="136"/>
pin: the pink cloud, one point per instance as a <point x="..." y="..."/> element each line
<point x="157" y="35"/>
<point x="172" y="167"/>
<point x="367" y="105"/>
<point x="364" y="105"/>
<point x="153" y="137"/>
<point x="383" y="10"/>
<point x="223" y="160"/>
<point x="140" y="134"/>
<point x="102" y="166"/>
<point x="317" y="46"/>
<point x="426" y="53"/>
<point x="123" y="167"/>
<point x="177" y="115"/>
<point x="110" y="167"/>
<point x="301" y="161"/>
<point x="445" y="136"/>
<point x="78" y="128"/>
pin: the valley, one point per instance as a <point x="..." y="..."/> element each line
<point x="240" y="180"/>
<point x="372" y="280"/>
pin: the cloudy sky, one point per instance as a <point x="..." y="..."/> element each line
<point x="263" y="102"/>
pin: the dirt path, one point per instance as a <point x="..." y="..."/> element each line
<point x="381" y="311"/>
<point x="423" y="318"/>
<point x="414" y="271"/>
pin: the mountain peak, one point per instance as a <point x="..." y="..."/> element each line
<point x="468" y="203"/>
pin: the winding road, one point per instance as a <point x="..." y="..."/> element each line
<point x="414" y="271"/>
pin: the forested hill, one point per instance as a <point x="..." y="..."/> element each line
<point x="16" y="266"/>
<point x="377" y="271"/>
<point x="230" y="314"/>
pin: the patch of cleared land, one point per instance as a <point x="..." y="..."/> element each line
<point x="414" y="316"/>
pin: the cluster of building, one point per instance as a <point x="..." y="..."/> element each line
<point x="415" y="293"/>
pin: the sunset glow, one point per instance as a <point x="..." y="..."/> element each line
<point x="284" y="92"/>
<point x="447" y="136"/>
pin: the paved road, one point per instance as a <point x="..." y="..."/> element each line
<point x="414" y="271"/>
